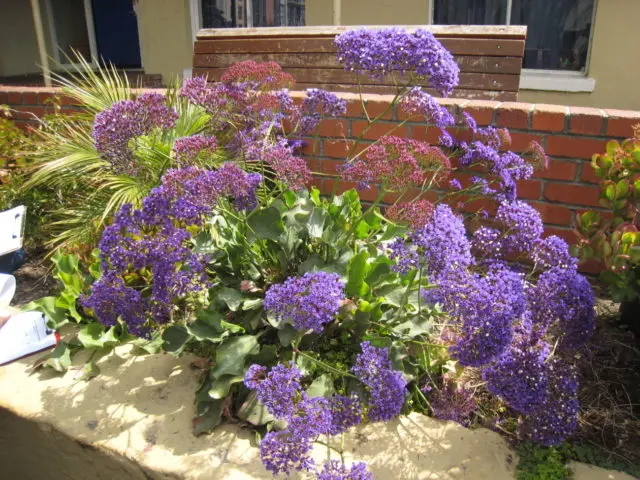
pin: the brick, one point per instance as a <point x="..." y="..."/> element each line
<point x="567" y="234"/>
<point x="4" y="98"/>
<point x="312" y="146"/>
<point x="327" y="166"/>
<point x="530" y="189"/>
<point x="30" y="98"/>
<point x="573" y="194"/>
<point x="554" y="214"/>
<point x="14" y="98"/>
<point x="573" y="147"/>
<point x="378" y="129"/>
<point x="621" y="123"/>
<point x="520" y="141"/>
<point x="586" y="121"/>
<point x="482" y="111"/>
<point x="337" y="148"/>
<point x="513" y="115"/>
<point x="46" y="97"/>
<point x="592" y="267"/>
<point x="549" y="118"/>
<point x="29" y="113"/>
<point x="588" y="175"/>
<point x="558" y="170"/>
<point x="354" y="109"/>
<point x="375" y="108"/>
<point x="333" y="128"/>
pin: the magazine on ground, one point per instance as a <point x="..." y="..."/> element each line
<point x="23" y="333"/>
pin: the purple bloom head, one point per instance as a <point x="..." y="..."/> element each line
<point x="116" y="126"/>
<point x="553" y="252"/>
<point x="386" y="386"/>
<point x="279" y="391"/>
<point x="521" y="224"/>
<point x="346" y="412"/>
<point x="187" y="149"/>
<point x="419" y="102"/>
<point x="309" y="302"/>
<point x="254" y="375"/>
<point x="453" y="402"/>
<point x="335" y="470"/>
<point x="285" y="451"/>
<point x="382" y="51"/>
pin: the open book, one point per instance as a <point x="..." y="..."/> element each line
<point x="25" y="332"/>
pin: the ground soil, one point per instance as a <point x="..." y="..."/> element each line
<point x="34" y="279"/>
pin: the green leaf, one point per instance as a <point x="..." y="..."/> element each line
<point x="231" y="297"/>
<point x="94" y="336"/>
<point x="220" y="387"/>
<point x="315" y="225"/>
<point x="266" y="223"/>
<point x="286" y="335"/>
<point x="267" y="354"/>
<point x="232" y="354"/>
<point x="214" y="320"/>
<point x="252" y="304"/>
<point x="89" y="371"/>
<point x="254" y="412"/>
<point x="60" y="358"/>
<point x="315" y="195"/>
<point x="321" y="387"/>
<point x="209" y="419"/>
<point x="356" y="273"/>
<point x="56" y="316"/>
<point x="175" y="339"/>
<point x="378" y="270"/>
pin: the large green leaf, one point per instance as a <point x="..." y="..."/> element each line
<point x="93" y="335"/>
<point x="321" y="387"/>
<point x="220" y="387"/>
<point x="208" y="418"/>
<point x="254" y="412"/>
<point x="60" y="358"/>
<point x="356" y="273"/>
<point x="231" y="355"/>
<point x="231" y="297"/>
<point x="175" y="339"/>
<point x="315" y="226"/>
<point x="266" y="223"/>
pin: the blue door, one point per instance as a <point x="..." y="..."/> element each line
<point x="117" y="32"/>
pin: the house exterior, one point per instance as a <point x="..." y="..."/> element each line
<point x="578" y="52"/>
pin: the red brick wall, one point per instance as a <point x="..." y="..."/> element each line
<point x="569" y="135"/>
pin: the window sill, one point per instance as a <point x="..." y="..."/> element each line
<point x="556" y="81"/>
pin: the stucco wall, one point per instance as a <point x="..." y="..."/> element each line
<point x="166" y="43"/>
<point x="18" y="47"/>
<point x="369" y="12"/>
<point x="614" y="63"/>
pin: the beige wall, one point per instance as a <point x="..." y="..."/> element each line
<point x="18" y="47"/>
<point x="166" y="43"/>
<point x="614" y="63"/>
<point x="369" y="12"/>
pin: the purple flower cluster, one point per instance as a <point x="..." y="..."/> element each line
<point x="394" y="50"/>
<point x="419" y="102"/>
<point x="553" y="252"/>
<point x="290" y="170"/>
<point x="453" y="402"/>
<point x="317" y="105"/>
<point x="385" y="385"/>
<point x="309" y="302"/>
<point x="521" y="224"/>
<point x="116" y="126"/>
<point x="335" y="470"/>
<point x="280" y="392"/>
<point x="186" y="150"/>
<point x="557" y="416"/>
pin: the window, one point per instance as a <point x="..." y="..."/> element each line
<point x="559" y="31"/>
<point x="259" y="13"/>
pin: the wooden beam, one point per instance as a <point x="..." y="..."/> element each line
<point x="42" y="46"/>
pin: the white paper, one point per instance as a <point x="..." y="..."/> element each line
<point x="23" y="334"/>
<point x="7" y="290"/>
<point x="12" y="229"/>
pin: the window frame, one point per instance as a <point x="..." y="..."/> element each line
<point x="547" y="79"/>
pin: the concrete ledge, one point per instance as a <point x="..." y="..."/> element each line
<point x="133" y="421"/>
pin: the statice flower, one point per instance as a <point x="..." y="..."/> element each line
<point x="346" y="412"/>
<point x="289" y="169"/>
<point x="419" y="102"/>
<point x="112" y="299"/>
<point x="312" y="416"/>
<point x="335" y="470"/>
<point x="520" y="376"/>
<point x="557" y="416"/>
<point x="379" y="52"/>
<point x="415" y="213"/>
<point x="319" y="104"/>
<point x="278" y="391"/>
<point x="254" y="375"/>
<point x="258" y="75"/>
<point x="386" y="386"/>
<point x="285" y="451"/>
<point x="553" y="252"/>
<point x="186" y="150"/>
<point x="231" y="181"/>
<point x="406" y="257"/>
<point x="116" y="126"/>
<point x="398" y="163"/>
<point x="522" y="225"/>
<point x="453" y="402"/>
<point x="309" y="302"/>
<point x="563" y="299"/>
<point x="487" y="241"/>
<point x="443" y="242"/>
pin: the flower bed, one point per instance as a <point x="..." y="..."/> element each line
<point x="315" y="314"/>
